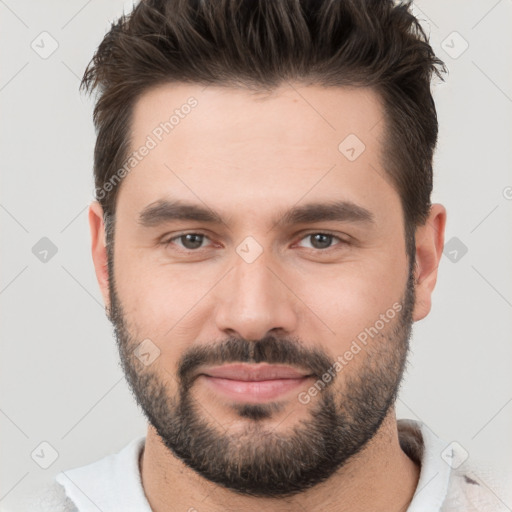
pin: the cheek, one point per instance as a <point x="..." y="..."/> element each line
<point x="165" y="303"/>
<point x="351" y="297"/>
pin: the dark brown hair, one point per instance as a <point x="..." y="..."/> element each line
<point x="258" y="45"/>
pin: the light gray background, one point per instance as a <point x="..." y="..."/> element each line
<point x="59" y="375"/>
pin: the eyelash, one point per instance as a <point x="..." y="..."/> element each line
<point x="167" y="242"/>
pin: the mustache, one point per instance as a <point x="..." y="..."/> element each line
<point x="270" y="350"/>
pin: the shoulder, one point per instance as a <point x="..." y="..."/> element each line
<point x="107" y="482"/>
<point x="49" y="498"/>
<point x="451" y="481"/>
<point x="477" y="488"/>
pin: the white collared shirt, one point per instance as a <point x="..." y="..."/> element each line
<point x="446" y="484"/>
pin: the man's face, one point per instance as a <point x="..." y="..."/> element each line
<point x="259" y="284"/>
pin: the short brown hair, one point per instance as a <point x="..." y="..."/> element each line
<point x="261" y="44"/>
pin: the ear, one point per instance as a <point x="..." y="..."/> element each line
<point x="99" y="250"/>
<point x="429" y="249"/>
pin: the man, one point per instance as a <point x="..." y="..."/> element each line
<point x="263" y="239"/>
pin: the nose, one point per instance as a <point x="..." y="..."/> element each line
<point x="254" y="301"/>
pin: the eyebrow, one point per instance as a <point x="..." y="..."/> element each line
<point x="164" y="210"/>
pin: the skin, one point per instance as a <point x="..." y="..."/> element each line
<point x="251" y="168"/>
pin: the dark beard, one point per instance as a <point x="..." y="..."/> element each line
<point x="258" y="461"/>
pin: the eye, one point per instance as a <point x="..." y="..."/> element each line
<point x="320" y="240"/>
<point x="193" y="241"/>
<point x="189" y="241"/>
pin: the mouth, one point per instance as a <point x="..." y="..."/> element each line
<point x="253" y="383"/>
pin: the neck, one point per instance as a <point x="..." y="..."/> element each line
<point x="379" y="477"/>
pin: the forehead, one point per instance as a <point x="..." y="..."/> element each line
<point x="289" y="115"/>
<point x="253" y="149"/>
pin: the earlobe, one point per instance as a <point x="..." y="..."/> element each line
<point x="429" y="249"/>
<point x="99" y="250"/>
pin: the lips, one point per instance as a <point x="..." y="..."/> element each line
<point x="251" y="373"/>
<point x="253" y="383"/>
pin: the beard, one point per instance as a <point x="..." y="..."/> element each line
<point x="257" y="460"/>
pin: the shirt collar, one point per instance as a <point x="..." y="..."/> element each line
<point x="425" y="448"/>
<point x="114" y="482"/>
<point x="110" y="484"/>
